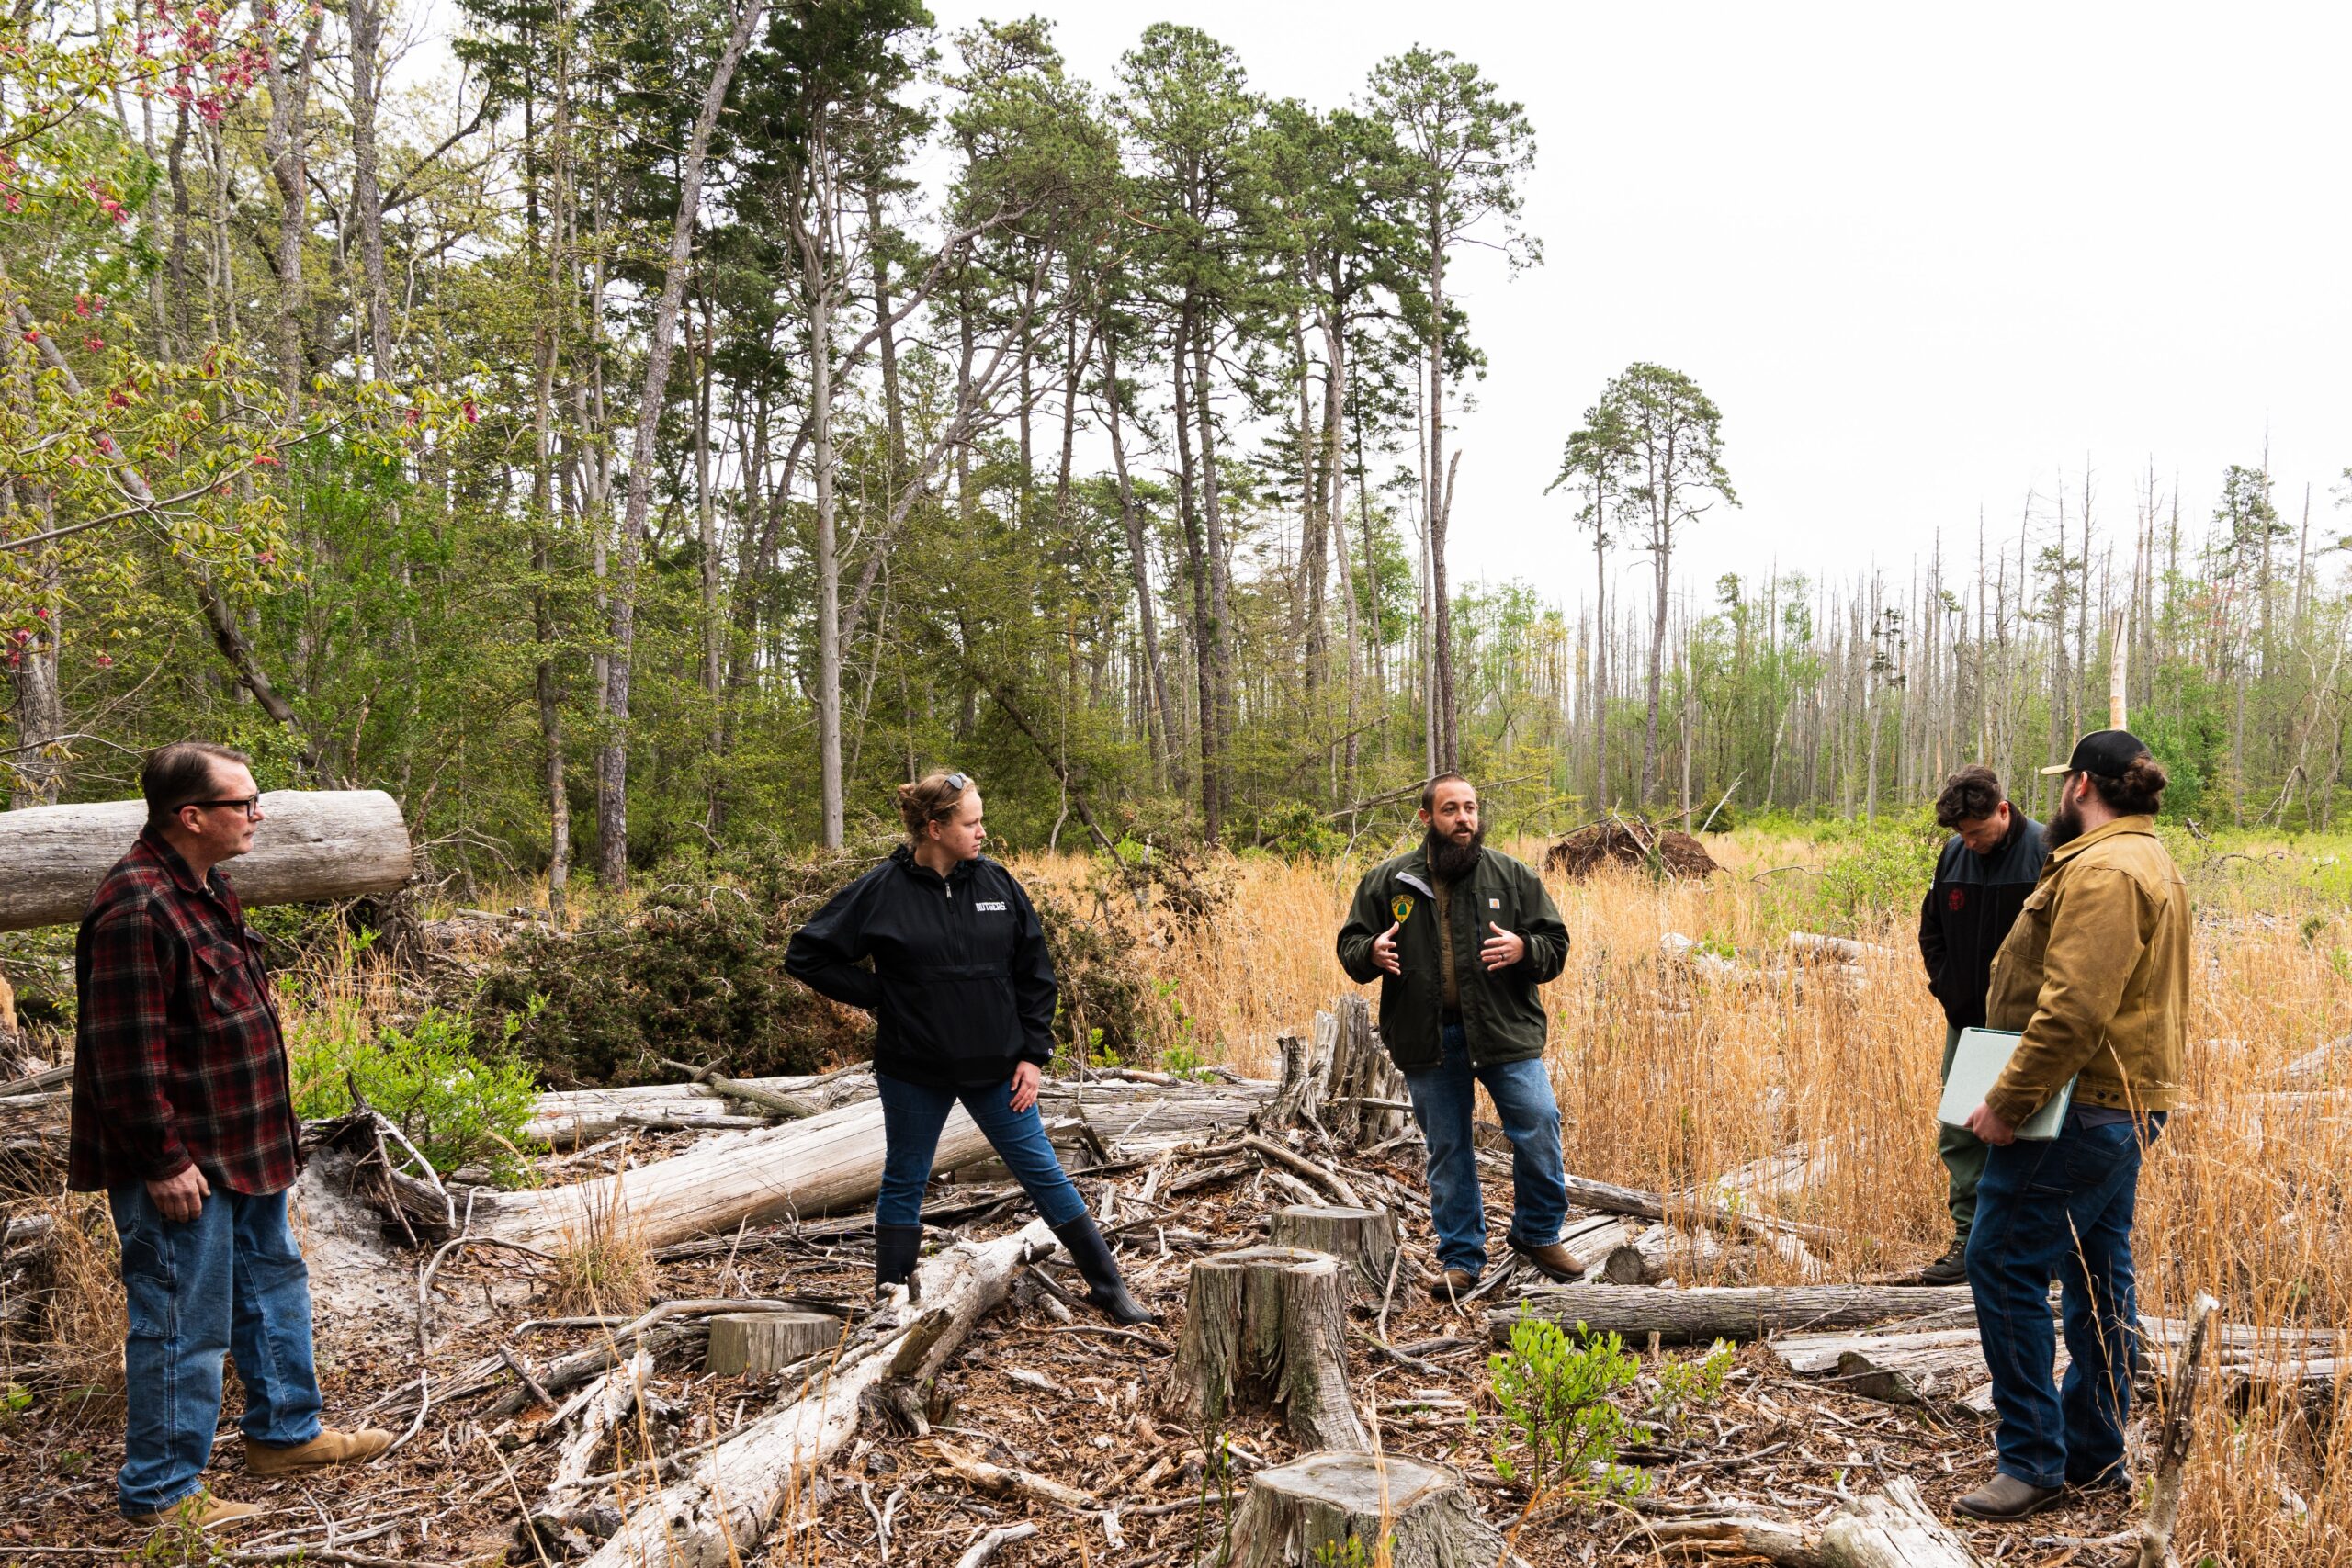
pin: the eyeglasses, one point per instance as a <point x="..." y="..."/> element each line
<point x="958" y="781"/>
<point x="250" y="805"/>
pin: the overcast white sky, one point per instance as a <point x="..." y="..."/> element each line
<point x="1923" y="257"/>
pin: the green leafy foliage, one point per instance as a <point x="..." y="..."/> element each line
<point x="1683" y="1387"/>
<point x="1558" y="1423"/>
<point x="460" y="1102"/>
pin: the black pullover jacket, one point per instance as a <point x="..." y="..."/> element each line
<point x="1968" y="911"/>
<point x="961" y="990"/>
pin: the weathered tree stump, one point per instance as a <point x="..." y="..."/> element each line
<point x="1365" y="1239"/>
<point x="1265" y="1321"/>
<point x="759" y="1342"/>
<point x="1363" y="1089"/>
<point x="1307" y="1513"/>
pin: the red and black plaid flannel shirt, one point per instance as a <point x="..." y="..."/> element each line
<point x="177" y="1058"/>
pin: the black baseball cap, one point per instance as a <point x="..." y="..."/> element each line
<point x="2109" y="753"/>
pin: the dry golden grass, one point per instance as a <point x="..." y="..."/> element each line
<point x="83" y="1317"/>
<point x="1667" y="1080"/>
<point x="601" y="1268"/>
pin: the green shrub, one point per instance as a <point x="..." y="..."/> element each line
<point x="459" y="1103"/>
<point x="1687" y="1385"/>
<point x="1884" y="869"/>
<point x="1556" y="1418"/>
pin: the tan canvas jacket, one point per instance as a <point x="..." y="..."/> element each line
<point x="2095" y="974"/>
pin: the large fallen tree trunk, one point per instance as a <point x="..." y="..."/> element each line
<point x="1721" y="1312"/>
<point x="719" y="1513"/>
<point x="1608" y="1198"/>
<point x="802" y="1167"/>
<point x="311" y="844"/>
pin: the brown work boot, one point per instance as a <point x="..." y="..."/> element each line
<point x="329" y="1446"/>
<point x="1453" y="1284"/>
<point x="200" y="1508"/>
<point x="1551" y="1259"/>
<point x="2007" y="1497"/>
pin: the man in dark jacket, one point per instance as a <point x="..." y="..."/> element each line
<point x="184" y="1118"/>
<point x="1459" y="937"/>
<point x="1983" y="879"/>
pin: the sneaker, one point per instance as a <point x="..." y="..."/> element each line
<point x="1951" y="1268"/>
<point x="329" y="1446"/>
<point x="200" y="1508"/>
<point x="2004" y="1497"/>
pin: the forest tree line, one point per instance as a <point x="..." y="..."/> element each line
<point x="671" y="424"/>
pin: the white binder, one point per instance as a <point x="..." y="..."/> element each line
<point x="1976" y="1066"/>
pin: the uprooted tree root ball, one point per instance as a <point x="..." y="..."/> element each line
<point x="1635" y="844"/>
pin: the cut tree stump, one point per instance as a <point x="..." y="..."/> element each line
<point x="1723" y="1311"/>
<point x="311" y="844"/>
<point x="1362" y="1086"/>
<point x="1265" y="1321"/>
<point x="1365" y="1239"/>
<point x="762" y="1342"/>
<point x="1342" y="1508"/>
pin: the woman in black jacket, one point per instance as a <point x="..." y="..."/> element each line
<point x="962" y="994"/>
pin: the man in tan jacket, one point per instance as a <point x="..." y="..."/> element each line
<point x="2094" y="976"/>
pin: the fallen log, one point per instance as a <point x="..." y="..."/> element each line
<point x="310" y="844"/>
<point x="1703" y="1314"/>
<point x="1886" y="1529"/>
<point x="1356" y="1508"/>
<point x="827" y="1161"/>
<point x="1266" y="1323"/>
<point x="723" y="1508"/>
<point x="1608" y="1198"/>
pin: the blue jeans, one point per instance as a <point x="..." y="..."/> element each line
<point x="2059" y="1207"/>
<point x="1443" y="1098"/>
<point x="913" y="1116"/>
<point x="229" y="1279"/>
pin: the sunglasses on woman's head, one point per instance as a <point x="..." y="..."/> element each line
<point x="958" y="781"/>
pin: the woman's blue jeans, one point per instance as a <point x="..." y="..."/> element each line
<point x="229" y="1279"/>
<point x="1442" y="1099"/>
<point x="913" y="1113"/>
<point x="2059" y="1208"/>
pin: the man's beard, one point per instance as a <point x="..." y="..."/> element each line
<point x="2065" y="824"/>
<point x="1452" y="859"/>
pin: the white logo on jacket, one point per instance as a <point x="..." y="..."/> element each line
<point x="993" y="907"/>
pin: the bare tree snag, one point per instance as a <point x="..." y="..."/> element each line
<point x="724" y="1507"/>
<point x="803" y="1168"/>
<point x="1362" y="1087"/>
<point x="762" y="1342"/>
<point x="2172" y="1443"/>
<point x="1266" y="1321"/>
<point x="310" y="844"/>
<point x="1365" y="1239"/>
<point x="1723" y="1312"/>
<point x="1346" y="1508"/>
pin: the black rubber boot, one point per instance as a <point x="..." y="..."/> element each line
<point x="895" y="1247"/>
<point x="1104" y="1289"/>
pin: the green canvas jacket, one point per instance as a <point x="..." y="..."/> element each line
<point x="1502" y="1017"/>
<point x="2095" y="975"/>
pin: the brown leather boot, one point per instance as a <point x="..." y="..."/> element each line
<point x="200" y="1508"/>
<point x="1551" y="1259"/>
<point x="2007" y="1497"/>
<point x="329" y="1446"/>
<point x="1452" y="1285"/>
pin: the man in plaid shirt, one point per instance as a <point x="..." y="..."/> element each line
<point x="183" y="1117"/>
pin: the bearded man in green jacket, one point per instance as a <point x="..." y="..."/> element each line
<point x="2094" y="978"/>
<point x="1460" y="936"/>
